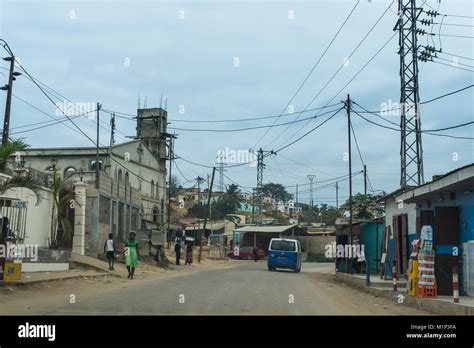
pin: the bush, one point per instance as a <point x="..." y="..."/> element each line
<point x="318" y="258"/>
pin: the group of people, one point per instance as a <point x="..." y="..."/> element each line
<point x="189" y="252"/>
<point x="131" y="253"/>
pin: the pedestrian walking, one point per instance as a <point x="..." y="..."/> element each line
<point x="109" y="250"/>
<point x="255" y="253"/>
<point x="189" y="254"/>
<point x="177" y="250"/>
<point x="131" y="255"/>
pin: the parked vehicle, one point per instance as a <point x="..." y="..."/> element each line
<point x="284" y="253"/>
<point x="246" y="252"/>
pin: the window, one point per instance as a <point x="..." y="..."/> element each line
<point x="127" y="180"/>
<point x="155" y="214"/>
<point x="68" y="171"/>
<point x="152" y="189"/>
<point x="283" y="245"/>
<point x="93" y="163"/>
<point x="119" y="181"/>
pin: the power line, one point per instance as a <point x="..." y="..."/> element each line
<point x="354" y="77"/>
<point x="81" y="131"/>
<point x="452" y="66"/>
<point x="425" y="132"/>
<point x="336" y="73"/>
<point x="248" y="128"/>
<point x="312" y="69"/>
<point x="310" y="131"/>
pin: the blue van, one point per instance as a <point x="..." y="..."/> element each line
<point x="284" y="253"/>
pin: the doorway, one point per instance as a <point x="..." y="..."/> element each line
<point x="400" y="239"/>
<point x="445" y="237"/>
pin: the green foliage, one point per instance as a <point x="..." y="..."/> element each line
<point x="25" y="181"/>
<point x="275" y="191"/>
<point x="320" y="213"/>
<point x="7" y="150"/>
<point x="364" y="206"/>
<point x="228" y="203"/>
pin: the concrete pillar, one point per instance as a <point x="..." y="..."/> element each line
<point x="78" y="242"/>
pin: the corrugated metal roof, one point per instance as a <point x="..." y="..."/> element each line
<point x="267" y="229"/>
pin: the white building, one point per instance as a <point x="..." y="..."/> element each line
<point x="132" y="183"/>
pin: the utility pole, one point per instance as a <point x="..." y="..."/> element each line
<point x="207" y="212"/>
<point x="365" y="179"/>
<point x="337" y="195"/>
<point x="199" y="180"/>
<point x="9" y="89"/>
<point x="348" y="108"/>
<point x="221" y="163"/>
<point x="411" y="151"/>
<point x="97" y="176"/>
<point x="311" y="178"/>
<point x="112" y="129"/>
<point x="171" y="158"/>
<point x="260" y="166"/>
<point x="253" y="206"/>
<point x="296" y="194"/>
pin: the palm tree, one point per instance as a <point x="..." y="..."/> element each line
<point x="26" y="181"/>
<point x="62" y="197"/>
<point x="8" y="149"/>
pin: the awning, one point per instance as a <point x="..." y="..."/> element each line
<point x="266" y="229"/>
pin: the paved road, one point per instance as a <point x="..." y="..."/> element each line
<point x="248" y="288"/>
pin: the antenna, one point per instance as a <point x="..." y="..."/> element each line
<point x="161" y="100"/>
<point x="145" y="102"/>
<point x="166" y="104"/>
<point x="139" y="104"/>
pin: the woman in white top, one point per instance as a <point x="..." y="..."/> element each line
<point x="109" y="249"/>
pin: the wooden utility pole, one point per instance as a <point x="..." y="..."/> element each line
<point x="206" y="212"/>
<point x="348" y="107"/>
<point x="8" y="103"/>
<point x="171" y="157"/>
<point x="365" y="179"/>
<point x="337" y="195"/>
<point x="97" y="177"/>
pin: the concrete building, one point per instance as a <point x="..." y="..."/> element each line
<point x="132" y="183"/>
<point x="400" y="221"/>
<point x="447" y="204"/>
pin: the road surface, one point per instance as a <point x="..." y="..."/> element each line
<point x="246" y="289"/>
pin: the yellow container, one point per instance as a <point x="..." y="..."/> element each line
<point x="11" y="271"/>
<point x="412" y="288"/>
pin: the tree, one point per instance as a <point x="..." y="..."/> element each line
<point x="7" y="150"/>
<point x="364" y="206"/>
<point x="228" y="203"/>
<point x="25" y="181"/>
<point x="174" y="186"/>
<point x="62" y="197"/>
<point x="275" y="191"/>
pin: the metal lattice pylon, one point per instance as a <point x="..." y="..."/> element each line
<point x="411" y="152"/>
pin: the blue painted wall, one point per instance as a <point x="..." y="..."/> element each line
<point x="466" y="204"/>
<point x="368" y="237"/>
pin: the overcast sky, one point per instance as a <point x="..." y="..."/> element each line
<point x="242" y="59"/>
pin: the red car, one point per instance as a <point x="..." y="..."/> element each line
<point x="246" y="252"/>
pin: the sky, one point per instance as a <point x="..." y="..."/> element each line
<point x="233" y="60"/>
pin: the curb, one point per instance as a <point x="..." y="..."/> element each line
<point x="424" y="304"/>
<point x="37" y="281"/>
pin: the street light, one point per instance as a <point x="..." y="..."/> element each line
<point x="54" y="162"/>
<point x="81" y="174"/>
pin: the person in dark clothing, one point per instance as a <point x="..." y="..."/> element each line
<point x="255" y="253"/>
<point x="177" y="250"/>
